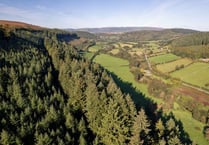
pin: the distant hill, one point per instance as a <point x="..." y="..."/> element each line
<point x="147" y="35"/>
<point x="16" y="24"/>
<point x="115" y="29"/>
<point x="201" y="38"/>
<point x="194" y="45"/>
<point x="85" y="34"/>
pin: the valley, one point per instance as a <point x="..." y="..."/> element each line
<point x="84" y="88"/>
<point x="185" y="77"/>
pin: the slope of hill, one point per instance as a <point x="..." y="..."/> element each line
<point x="201" y="38"/>
<point x="165" y="34"/>
<point x="51" y="95"/>
<point x="15" y="24"/>
<point x="85" y="34"/>
<point x="145" y="35"/>
<point x="193" y="46"/>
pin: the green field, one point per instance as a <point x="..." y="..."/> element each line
<point x="120" y="67"/>
<point x="163" y="58"/>
<point x="196" y="74"/>
<point x="171" y="66"/>
<point x="88" y="55"/>
<point x="191" y="126"/>
<point x="94" y="48"/>
<point x="153" y="44"/>
<point x="115" y="65"/>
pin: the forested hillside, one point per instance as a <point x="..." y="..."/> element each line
<point x="193" y="46"/>
<point x="145" y="35"/>
<point x="165" y="34"/>
<point x="49" y="94"/>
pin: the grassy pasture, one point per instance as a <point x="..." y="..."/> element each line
<point x="88" y="55"/>
<point x="114" y="51"/>
<point x="191" y="126"/>
<point x="120" y="67"/>
<point x="196" y="74"/>
<point x="171" y="66"/>
<point x="163" y="58"/>
<point x="116" y="65"/>
<point x="94" y="48"/>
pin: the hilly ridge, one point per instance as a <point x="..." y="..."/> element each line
<point x="115" y="29"/>
<point x="16" y="24"/>
<point x="146" y="35"/>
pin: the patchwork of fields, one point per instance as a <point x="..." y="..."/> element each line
<point x="174" y="65"/>
<point x="194" y="73"/>
<point x="120" y="68"/>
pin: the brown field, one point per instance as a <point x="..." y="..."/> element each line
<point x="194" y="93"/>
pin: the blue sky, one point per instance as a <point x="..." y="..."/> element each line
<point x="103" y="13"/>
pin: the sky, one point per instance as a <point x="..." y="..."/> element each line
<point x="193" y="14"/>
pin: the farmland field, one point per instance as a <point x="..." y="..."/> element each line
<point x="163" y="58"/>
<point x="95" y="48"/>
<point x="196" y="74"/>
<point x="136" y="51"/>
<point x="115" y="65"/>
<point x="192" y="126"/>
<point x="114" y="51"/>
<point x="171" y="66"/>
<point x="88" y="55"/>
<point x="120" y="67"/>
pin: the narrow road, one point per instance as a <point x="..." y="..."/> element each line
<point x="148" y="62"/>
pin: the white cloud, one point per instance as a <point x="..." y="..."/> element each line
<point x="40" y="7"/>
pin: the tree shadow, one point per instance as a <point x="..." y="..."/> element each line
<point x="139" y="99"/>
<point x="184" y="136"/>
<point x="150" y="107"/>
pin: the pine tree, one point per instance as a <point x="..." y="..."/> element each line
<point x="113" y="129"/>
<point x="160" y="128"/>
<point x="140" y="129"/>
<point x="6" y="138"/>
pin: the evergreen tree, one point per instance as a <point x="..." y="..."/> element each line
<point x="140" y="129"/>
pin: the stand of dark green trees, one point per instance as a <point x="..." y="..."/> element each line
<point x="194" y="46"/>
